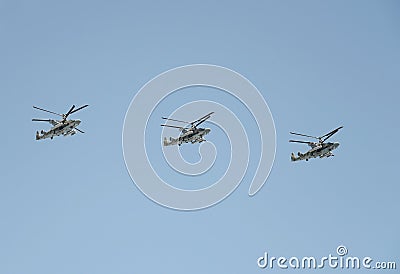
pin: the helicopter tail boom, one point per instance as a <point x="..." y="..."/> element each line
<point x="171" y="141"/>
<point x="293" y="157"/>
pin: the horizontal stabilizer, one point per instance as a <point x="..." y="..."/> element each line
<point x="171" y="141"/>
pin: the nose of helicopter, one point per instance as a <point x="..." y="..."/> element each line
<point x="77" y="122"/>
<point x="207" y="130"/>
<point x="336" y="145"/>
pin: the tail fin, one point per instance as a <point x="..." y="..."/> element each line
<point x="170" y="142"/>
<point x="37" y="135"/>
<point x="292" y="157"/>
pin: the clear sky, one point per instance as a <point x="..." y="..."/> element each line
<point x="68" y="205"/>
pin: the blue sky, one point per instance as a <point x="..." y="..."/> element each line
<point x="69" y="206"/>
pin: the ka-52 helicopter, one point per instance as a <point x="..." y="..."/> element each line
<point x="60" y="127"/>
<point x="318" y="149"/>
<point x="188" y="134"/>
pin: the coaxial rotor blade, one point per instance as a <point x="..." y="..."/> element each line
<point x="204" y="117"/>
<point x="332" y="132"/>
<point x="69" y="112"/>
<point x="328" y="135"/>
<point x="79" y="130"/>
<point x="41" y="120"/>
<point x="48" y="111"/>
<point x="299" y="134"/>
<point x="201" y="120"/>
<point x="169" y="119"/>
<point x="303" y="142"/>
<point x="75" y="110"/>
<point x="172" y="126"/>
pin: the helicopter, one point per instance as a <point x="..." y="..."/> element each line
<point x="190" y="134"/>
<point x="318" y="149"/>
<point x="60" y="127"/>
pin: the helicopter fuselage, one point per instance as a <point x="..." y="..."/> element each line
<point x="317" y="150"/>
<point x="64" y="128"/>
<point x="188" y="135"/>
<point x="193" y="136"/>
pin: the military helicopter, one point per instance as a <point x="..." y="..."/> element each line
<point x="60" y="127"/>
<point x="318" y="149"/>
<point x="190" y="134"/>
